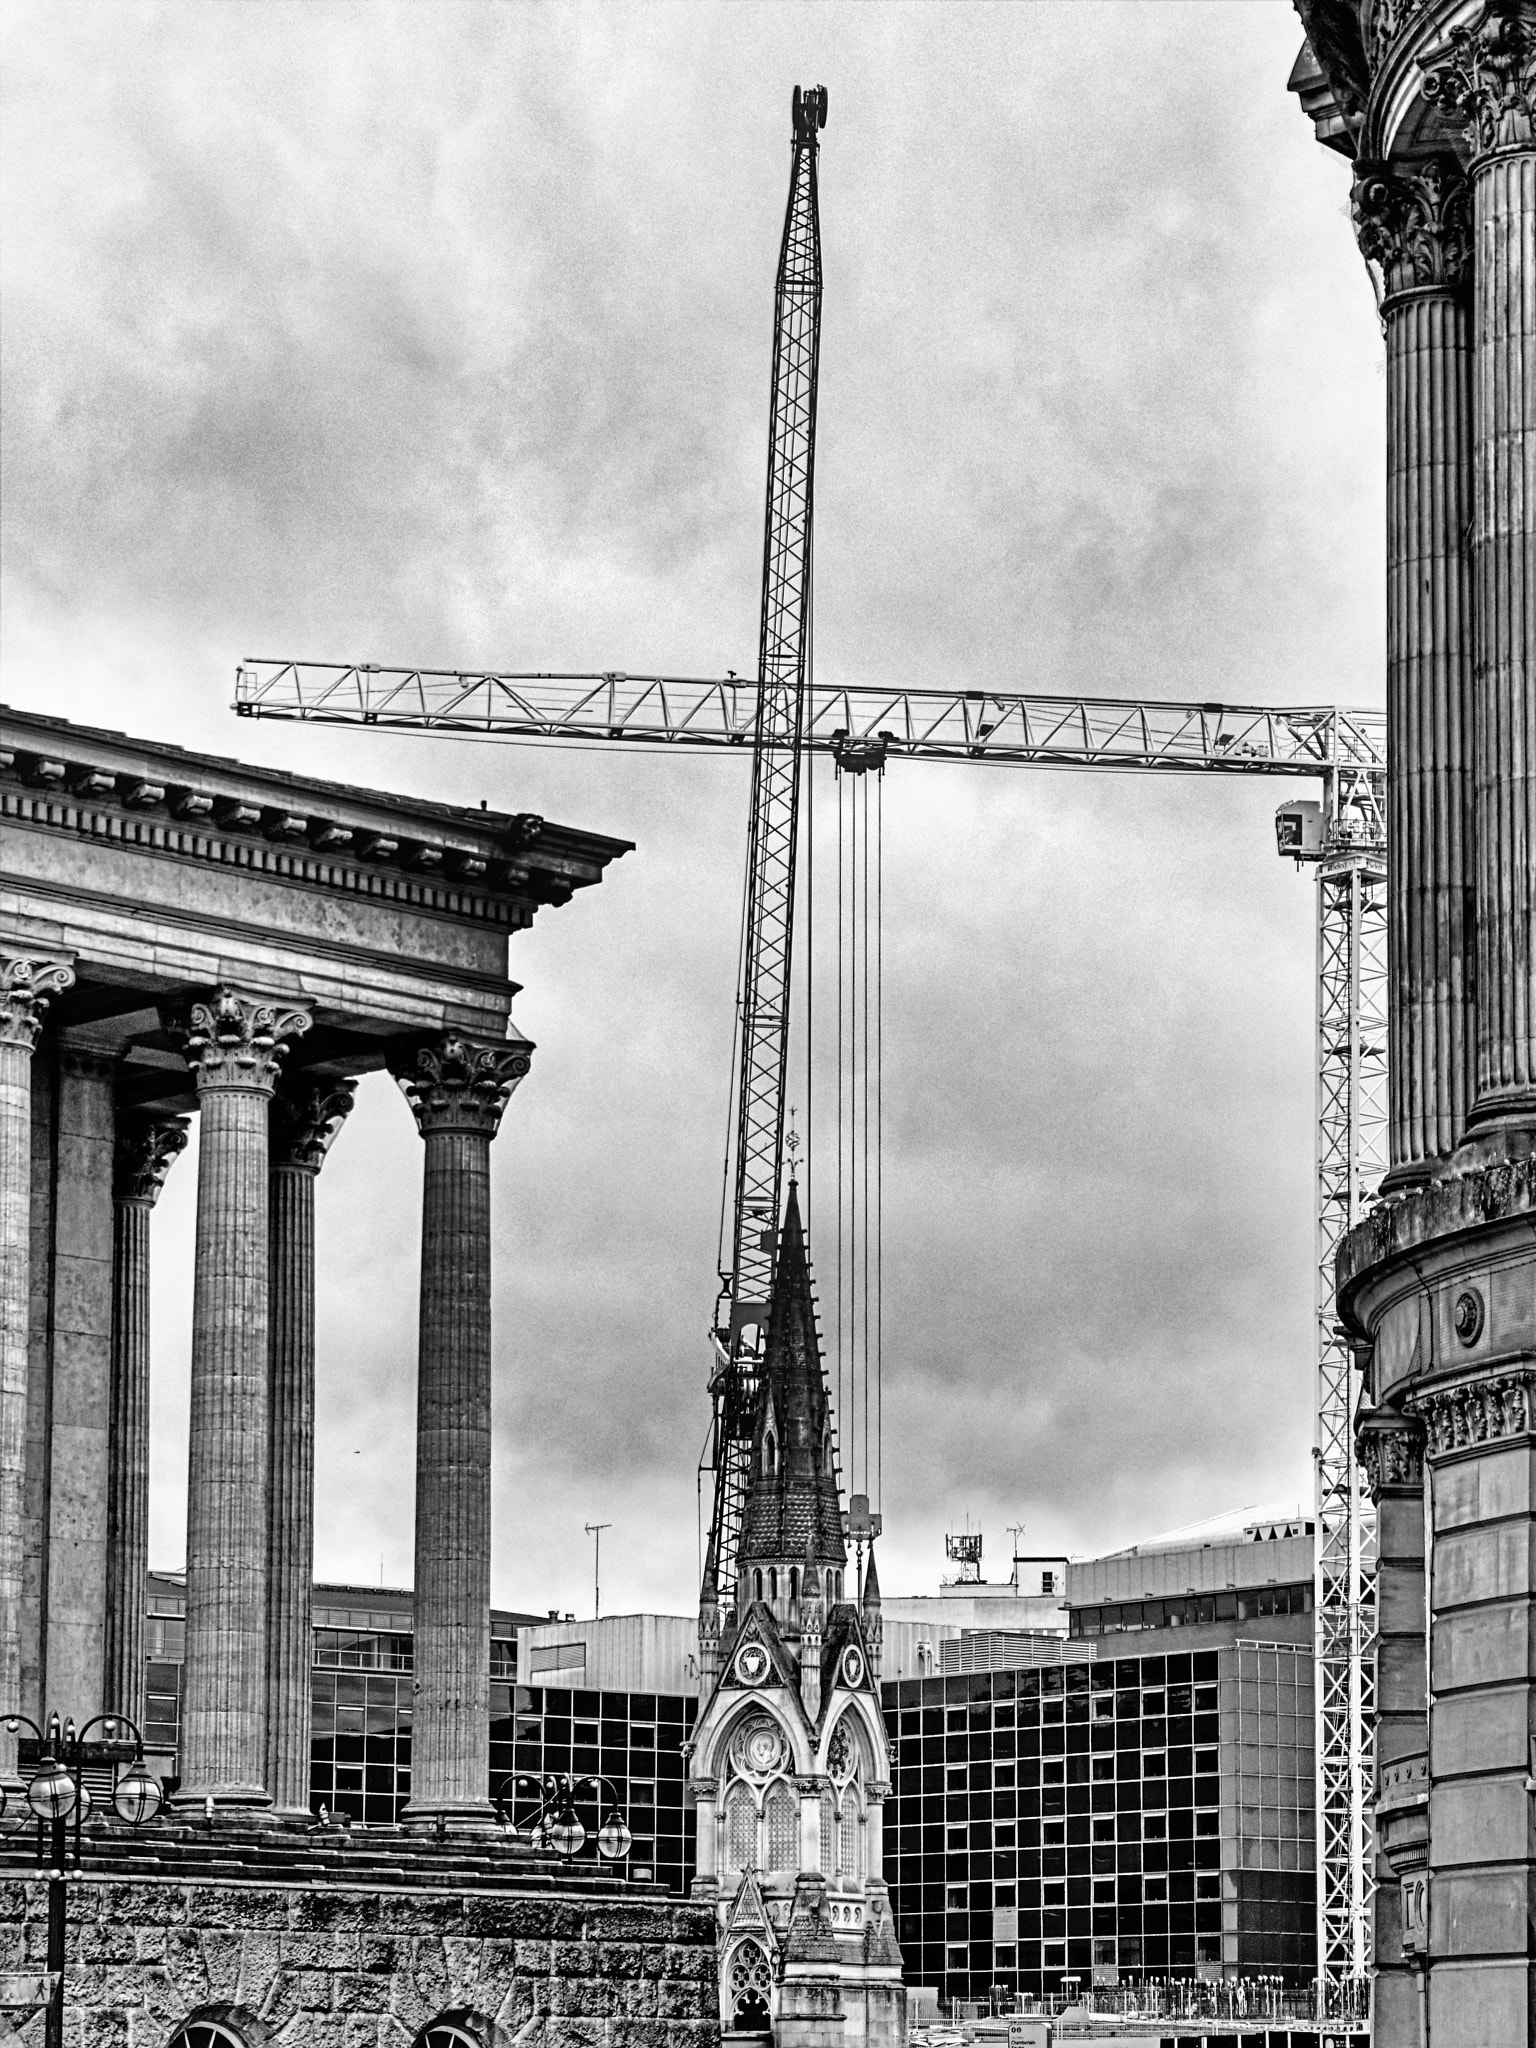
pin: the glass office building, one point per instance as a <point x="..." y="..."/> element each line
<point x="360" y="1754"/>
<point x="1106" y="1817"/>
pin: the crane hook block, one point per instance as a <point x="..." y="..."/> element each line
<point x="810" y="111"/>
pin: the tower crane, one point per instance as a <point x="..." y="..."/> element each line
<point x="785" y="713"/>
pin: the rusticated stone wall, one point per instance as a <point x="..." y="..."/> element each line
<point x="298" y="1966"/>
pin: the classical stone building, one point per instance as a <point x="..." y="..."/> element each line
<point x="1435" y="104"/>
<point x="182" y="935"/>
<point x="790" y="1764"/>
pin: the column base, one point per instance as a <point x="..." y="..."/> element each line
<point x="243" y="1804"/>
<point x="452" y="1817"/>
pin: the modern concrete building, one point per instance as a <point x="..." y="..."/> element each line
<point x="1435" y="105"/>
<point x="1133" y="1802"/>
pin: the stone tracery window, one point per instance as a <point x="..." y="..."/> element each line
<point x="446" y="2034"/>
<point x="749" y="1989"/>
<point x="206" y="2034"/>
<point x="781" y="1825"/>
<point x="828" y="1833"/>
<point x="740" y="1828"/>
<point x="848" y="1838"/>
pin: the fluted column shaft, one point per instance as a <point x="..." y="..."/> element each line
<point x="1504" y="566"/>
<point x="1429" y="739"/>
<point x="304" y="1119"/>
<point x="145" y="1150"/>
<point x="1413" y="224"/>
<point x="457" y="1090"/>
<point x="234" y="1046"/>
<point x="26" y="986"/>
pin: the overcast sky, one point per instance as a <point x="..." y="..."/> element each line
<point x="439" y="335"/>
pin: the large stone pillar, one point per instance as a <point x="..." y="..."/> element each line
<point x="1485" y="82"/>
<point x="1413" y="222"/>
<point x="457" y="1089"/>
<point x="234" y="1045"/>
<point x="79" y="1381"/>
<point x="1391" y="1450"/>
<point x="145" y="1149"/>
<point x="306" y="1115"/>
<point x="26" y="985"/>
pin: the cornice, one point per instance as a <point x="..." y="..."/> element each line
<point x="482" y="864"/>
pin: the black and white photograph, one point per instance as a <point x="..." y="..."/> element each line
<point x="767" y="1023"/>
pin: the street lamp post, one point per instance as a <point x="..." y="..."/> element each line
<point x="57" y="1793"/>
<point x="556" y="1824"/>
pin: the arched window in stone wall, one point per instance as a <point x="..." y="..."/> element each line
<point x="740" y="1828"/>
<point x="849" y="1858"/>
<point x="206" y="2034"/>
<point x="448" y="2033"/>
<point x="749" y="1990"/>
<point x="828" y="1834"/>
<point x="781" y="1816"/>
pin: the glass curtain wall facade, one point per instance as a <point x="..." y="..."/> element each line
<point x="1109" y="1819"/>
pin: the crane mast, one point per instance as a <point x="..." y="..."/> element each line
<point x="755" y="1158"/>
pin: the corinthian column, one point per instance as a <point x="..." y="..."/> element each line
<point x="306" y="1115"/>
<point x="457" y="1089"/>
<point x="234" y="1046"/>
<point x="145" y="1149"/>
<point x="1414" y="226"/>
<point x="26" y="984"/>
<point x="1486" y="82"/>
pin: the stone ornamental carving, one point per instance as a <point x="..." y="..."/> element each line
<point x="1486" y="80"/>
<point x="460" y="1085"/>
<point x="236" y="1041"/>
<point x="306" y="1115"/>
<point x="1414" y="222"/>
<point x="26" y="987"/>
<point x="1391" y="1449"/>
<point x="759" y="1749"/>
<point x="1475" y="1413"/>
<point x="843" y="1755"/>
<point x="145" y="1152"/>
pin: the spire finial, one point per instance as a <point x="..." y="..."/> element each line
<point x="792" y="1145"/>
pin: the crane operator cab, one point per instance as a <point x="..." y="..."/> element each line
<point x="1299" y="831"/>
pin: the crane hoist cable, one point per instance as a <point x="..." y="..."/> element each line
<point x="754" y="1168"/>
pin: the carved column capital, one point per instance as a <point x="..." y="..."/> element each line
<point x="146" y="1148"/>
<point x="1414" y="224"/>
<point x="307" y="1112"/>
<point x="1472" y="1414"/>
<point x="235" y="1042"/>
<point x="1484" y="78"/>
<point x="1391" y="1449"/>
<point x="461" y="1084"/>
<point x="26" y="986"/>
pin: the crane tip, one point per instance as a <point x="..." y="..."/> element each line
<point x="810" y="111"/>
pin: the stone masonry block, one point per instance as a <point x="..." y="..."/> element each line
<point x="240" y="1906"/>
<point x="351" y="1993"/>
<point x="1481" y="1646"/>
<point x="1484" y="1489"/>
<point x="1474" y="2005"/>
<point x="1481" y="1913"/>
<point x="1482" y="1731"/>
<point x="1488" y="1563"/>
<point x="1477" y="1822"/>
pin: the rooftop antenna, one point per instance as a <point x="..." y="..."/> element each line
<point x="595" y="1531"/>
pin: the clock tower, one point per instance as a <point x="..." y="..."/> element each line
<point x="789" y="1765"/>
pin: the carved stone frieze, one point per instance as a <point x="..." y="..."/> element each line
<point x="1391" y="1449"/>
<point x="307" y="1112"/>
<point x="1414" y="224"/>
<point x="146" y="1148"/>
<point x="236" y="1041"/>
<point x="1484" y="79"/>
<point x="1473" y="1413"/>
<point x="26" y="987"/>
<point x="462" y="1084"/>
